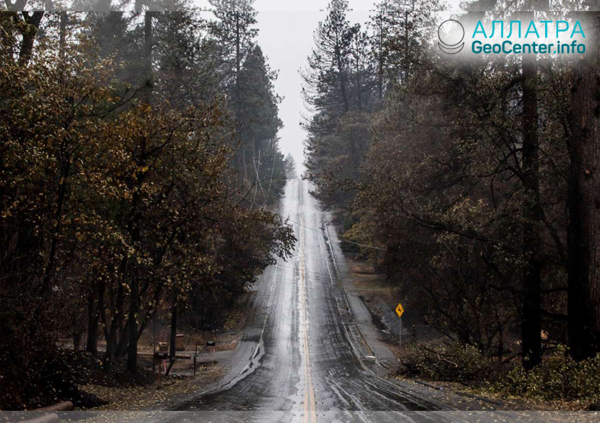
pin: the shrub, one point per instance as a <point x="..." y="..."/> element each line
<point x="559" y="377"/>
<point x="452" y="362"/>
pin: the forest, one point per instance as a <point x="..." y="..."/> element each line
<point x="472" y="184"/>
<point x="140" y="172"/>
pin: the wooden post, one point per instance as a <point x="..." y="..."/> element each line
<point x="154" y="340"/>
<point x="159" y="370"/>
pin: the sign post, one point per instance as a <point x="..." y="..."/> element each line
<point x="400" y="312"/>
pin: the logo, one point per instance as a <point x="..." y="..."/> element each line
<point x="529" y="37"/>
<point x="451" y="34"/>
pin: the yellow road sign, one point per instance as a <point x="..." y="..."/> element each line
<point x="399" y="310"/>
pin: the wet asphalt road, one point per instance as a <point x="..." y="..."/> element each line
<point x="302" y="354"/>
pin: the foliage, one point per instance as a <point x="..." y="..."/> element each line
<point x="454" y="362"/>
<point x="559" y="377"/>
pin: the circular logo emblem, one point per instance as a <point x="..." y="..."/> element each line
<point x="451" y="34"/>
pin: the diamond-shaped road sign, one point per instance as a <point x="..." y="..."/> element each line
<point x="400" y="310"/>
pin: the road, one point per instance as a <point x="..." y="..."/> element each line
<point x="303" y="354"/>
<point x="305" y="357"/>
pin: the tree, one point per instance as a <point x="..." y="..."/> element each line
<point x="290" y="167"/>
<point x="28" y="25"/>
<point x="584" y="203"/>
<point x="326" y="80"/>
<point x="532" y="240"/>
<point x="258" y="124"/>
<point x="399" y="30"/>
<point x="188" y="59"/>
<point x="236" y="38"/>
<point x="340" y="87"/>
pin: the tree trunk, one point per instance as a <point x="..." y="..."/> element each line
<point x="358" y="85"/>
<point x="123" y="338"/>
<point x="76" y="341"/>
<point x="148" y="43"/>
<point x="531" y="325"/>
<point x="33" y="23"/>
<point x="342" y="78"/>
<point x="237" y="95"/>
<point x="381" y="62"/>
<point x="173" y="346"/>
<point x="91" y="345"/>
<point x="63" y="33"/>
<point x="132" y="328"/>
<point x="130" y="335"/>
<point x="244" y="162"/>
<point x="111" y="340"/>
<point x="584" y="202"/>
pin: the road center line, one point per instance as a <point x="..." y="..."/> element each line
<point x="310" y="412"/>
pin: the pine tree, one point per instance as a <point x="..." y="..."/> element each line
<point x="258" y="121"/>
<point x="236" y="38"/>
<point x="326" y="81"/>
<point x="290" y="167"/>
